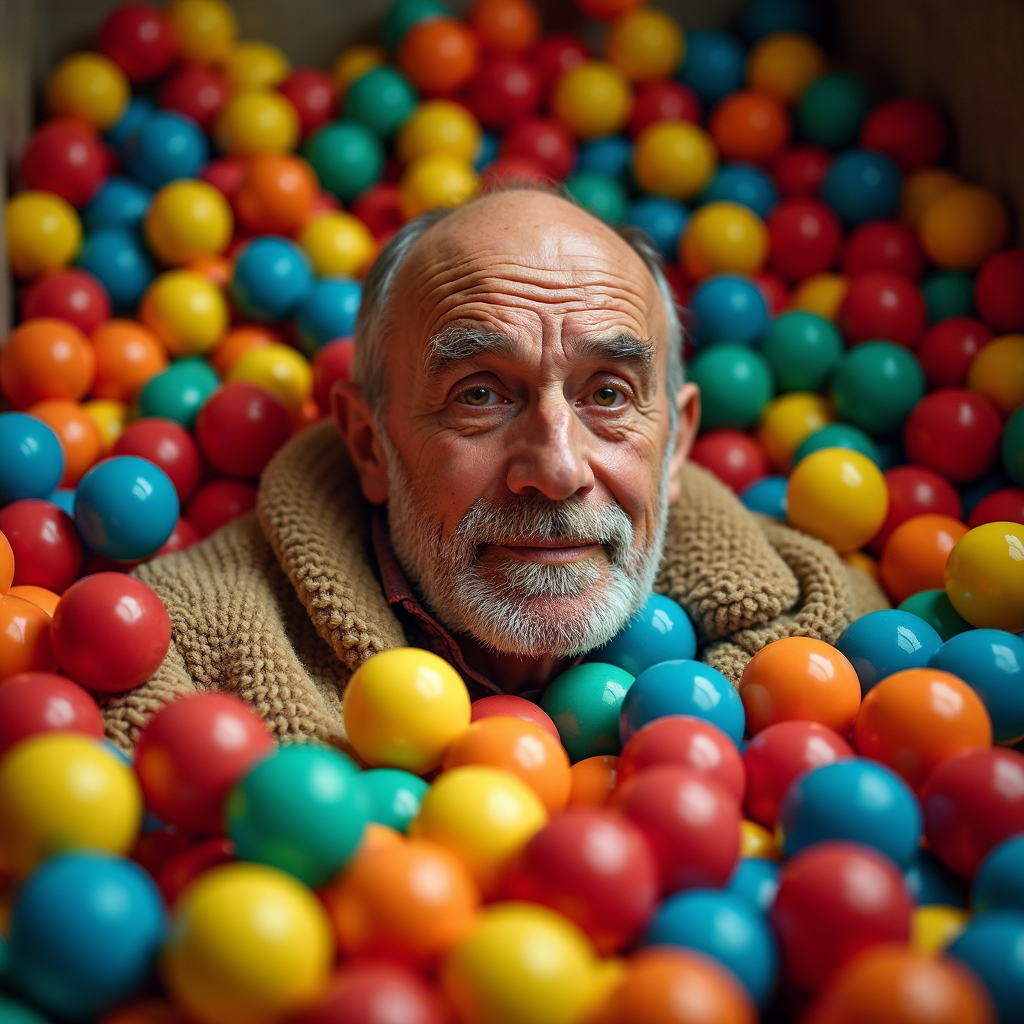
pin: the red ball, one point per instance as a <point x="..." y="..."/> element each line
<point x="240" y="427"/>
<point x="777" y="755"/>
<point x="140" y="39"/>
<point x="1002" y="506"/>
<point x="835" y="900"/>
<point x="197" y="91"/>
<point x="691" y="821"/>
<point x="800" y="171"/>
<point x="192" y="752"/>
<point x="225" y="174"/>
<point x="167" y="444"/>
<point x="909" y="132"/>
<point x="65" y="157"/>
<point x="313" y="95"/>
<point x="510" y="706"/>
<point x="953" y="431"/>
<point x="183" y="868"/>
<point x="507" y="171"/>
<point x="154" y="849"/>
<point x="734" y="457"/>
<point x="972" y="802"/>
<point x="506" y="89"/>
<point x="215" y="504"/>
<point x="596" y="868"/>
<point x="663" y="101"/>
<point x="915" y="491"/>
<point x="380" y="208"/>
<point x="999" y="290"/>
<point x="545" y="140"/>
<point x="47" y="551"/>
<point x="183" y="536"/>
<point x="72" y="295"/>
<point x="882" y="306"/>
<point x="689" y="742"/>
<point x="804" y="238"/>
<point x="36" y="702"/>
<point x="557" y="53"/>
<point x="110" y="632"/>
<point x="883" y="245"/>
<point x="774" y="289"/>
<point x="331" y="363"/>
<point x="947" y="348"/>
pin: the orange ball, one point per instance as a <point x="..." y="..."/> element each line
<point x="24" y="638"/>
<point x="128" y="354"/>
<point x="915" y="555"/>
<point x="800" y="679"/>
<point x="213" y="267"/>
<point x="238" y="342"/>
<point x="593" y="780"/>
<point x="750" y="126"/>
<point x="6" y="565"/>
<point x="78" y="435"/>
<point x="39" y="596"/>
<point x="506" y="26"/>
<point x="440" y="56"/>
<point x="520" y="747"/>
<point x="410" y="901"/>
<point x="915" y="719"/>
<point x="46" y="358"/>
<point x="276" y="194"/>
<point x="963" y="227"/>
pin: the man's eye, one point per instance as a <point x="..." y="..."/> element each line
<point x="608" y="398"/>
<point x="478" y="396"/>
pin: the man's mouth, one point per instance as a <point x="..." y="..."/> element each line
<point x="551" y="551"/>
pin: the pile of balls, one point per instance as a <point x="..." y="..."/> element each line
<point x="840" y="839"/>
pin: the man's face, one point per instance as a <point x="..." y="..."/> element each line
<point x="526" y="463"/>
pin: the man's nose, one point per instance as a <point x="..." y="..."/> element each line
<point x="549" y="455"/>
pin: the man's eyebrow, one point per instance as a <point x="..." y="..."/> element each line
<point x="621" y="347"/>
<point x="459" y="342"/>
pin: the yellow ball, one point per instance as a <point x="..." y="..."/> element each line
<point x="985" y="576"/>
<point x="436" y="180"/>
<point x="838" y="496"/>
<point x="354" y="62"/>
<point x="110" y="417"/>
<point x="593" y="99"/>
<point x="188" y="218"/>
<point x="278" y="369"/>
<point x="757" y="841"/>
<point x="338" y="243"/>
<point x="186" y="310"/>
<point x="89" y="86"/>
<point x="723" y="237"/>
<point x="403" y="707"/>
<point x="62" y="791"/>
<point x="256" y="65"/>
<point x="674" y="159"/>
<point x="822" y="294"/>
<point x="257" y="121"/>
<point x="862" y="561"/>
<point x="934" y="926"/>
<point x="645" y="44"/>
<point x="43" y="233"/>
<point x="206" y="29"/>
<point x="997" y="372"/>
<point x="523" y="964"/>
<point x="247" y="943"/>
<point x="439" y="126"/>
<point x="787" y="421"/>
<point x="784" y="64"/>
<point x="484" y="815"/>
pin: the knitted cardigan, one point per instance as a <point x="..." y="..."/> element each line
<point x="280" y="606"/>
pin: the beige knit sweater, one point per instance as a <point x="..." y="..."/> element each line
<point x="281" y="605"/>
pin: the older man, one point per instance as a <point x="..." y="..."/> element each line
<point x="509" y="485"/>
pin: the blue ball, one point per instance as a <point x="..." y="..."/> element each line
<point x="991" y="662"/>
<point x="31" y="458"/>
<point x="767" y="496"/>
<point x="883" y="642"/>
<point x="167" y="146"/>
<point x="682" y="687"/>
<point x="713" y="65"/>
<point x="64" y="499"/>
<point x="744" y="184"/>
<point x="85" y="931"/>
<point x="861" y="185"/>
<point x="763" y="17"/>
<point x="856" y="800"/>
<point x="999" y="882"/>
<point x="490" y="144"/>
<point x="117" y="257"/>
<point x="992" y="945"/>
<point x="727" y="928"/>
<point x="660" y="631"/>
<point x="272" y="278"/>
<point x="136" y="114"/>
<point x="120" y="203"/>
<point x="755" y="880"/>
<point x="609" y="156"/>
<point x="728" y="309"/>
<point x="328" y="312"/>
<point x="838" y="435"/>
<point x="125" y="508"/>
<point x="930" y="882"/>
<point x="662" y="220"/>
<point x="393" y="796"/>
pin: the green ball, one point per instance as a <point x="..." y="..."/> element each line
<point x="831" y="110"/>
<point x="392" y="796"/>
<point x="600" y="195"/>
<point x="18" y="1013"/>
<point x="735" y="384"/>
<point x="347" y="157"/>
<point x="584" y="703"/>
<point x="949" y="293"/>
<point x="839" y="435"/>
<point x="403" y="14"/>
<point x="802" y="349"/>
<point x="1013" y="446"/>
<point x="934" y="607"/>
<point x="180" y="391"/>
<point x="875" y="386"/>
<point x="383" y="99"/>
<point x="301" y="810"/>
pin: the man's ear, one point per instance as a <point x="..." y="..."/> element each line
<point x="688" y="404"/>
<point x="355" y="424"/>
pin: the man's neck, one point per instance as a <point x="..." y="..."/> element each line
<point x="514" y="674"/>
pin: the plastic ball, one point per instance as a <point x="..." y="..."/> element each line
<point x="713" y="65"/>
<point x="272" y="276"/>
<point x="347" y="158"/>
<point x="382" y="99"/>
<point x="253" y="64"/>
<point x="930" y="883"/>
<point x="31" y="457"/>
<point x="215" y="504"/>
<point x="43" y="233"/>
<point x="256" y="121"/>
<point x="337" y="244"/>
<point x="24" y="638"/>
<point x="955" y="432"/>
<point x="802" y="350"/>
<point x="599" y="194"/>
<point x="206" y="29"/>
<point x="557" y="53"/>
<point x="800" y="170"/>
<point x="805" y="236"/>
<point x="328" y="311"/>
<point x="78" y="434"/>
<point x="645" y="44"/>
<point x="140" y="40"/>
<point x="187" y="219"/>
<point x="963" y="228"/>
<point x="663" y="101"/>
<point x="507" y="26"/>
<point x="167" y="146"/>
<point x="723" y="237"/>
<point x="71" y="295"/>
<point x="47" y="551"/>
<point x="179" y="392"/>
<point x="44" y="359"/>
<point x="436" y="180"/>
<point x="128" y="355"/>
<point x="439" y="55"/>
<point x="767" y="496"/>
<point x="876" y="385"/>
<point x="660" y="631"/>
<point x="744" y="184"/>
<point x="198" y="92"/>
<point x="915" y="553"/>
<point x="392" y="796"/>
<point x="186" y="311"/>
<point x="933" y="606"/>
<point x="882" y="245"/>
<point x="592" y="99"/>
<point x="116" y="257"/>
<point x="997" y="372"/>
<point x="821" y="294"/>
<point x="787" y="422"/>
<point x="120" y="202"/>
<point x="784" y="64"/>
<point x="915" y="491"/>
<point x="756" y="880"/>
<point x="507" y="89"/>
<point x="911" y="133"/>
<point x="728" y="308"/>
<point x="1012" y="447"/>
<point x="885" y="642"/>
<point x="733" y="456"/>
<point x="6" y="565"/>
<point x="735" y="384"/>
<point x="331" y="363"/>
<point x="832" y="109"/>
<point x="948" y="293"/>
<point x="67" y="159"/>
<point x="998" y="882"/>
<point x="41" y="702"/>
<point x="838" y="435"/>
<point x="750" y="125"/>
<point x="240" y="427"/>
<point x="90" y="87"/>
<point x="948" y="348"/>
<point x="991" y="947"/>
<point x="312" y="93"/>
<point x="985" y="577"/>
<point x="882" y="305"/>
<point x="593" y="781"/>
<point x="933" y="928"/>
<point x="861" y="185"/>
<point x="922" y="189"/>
<point x="438" y="126"/>
<point x="999" y="290"/>
<point x="662" y="220"/>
